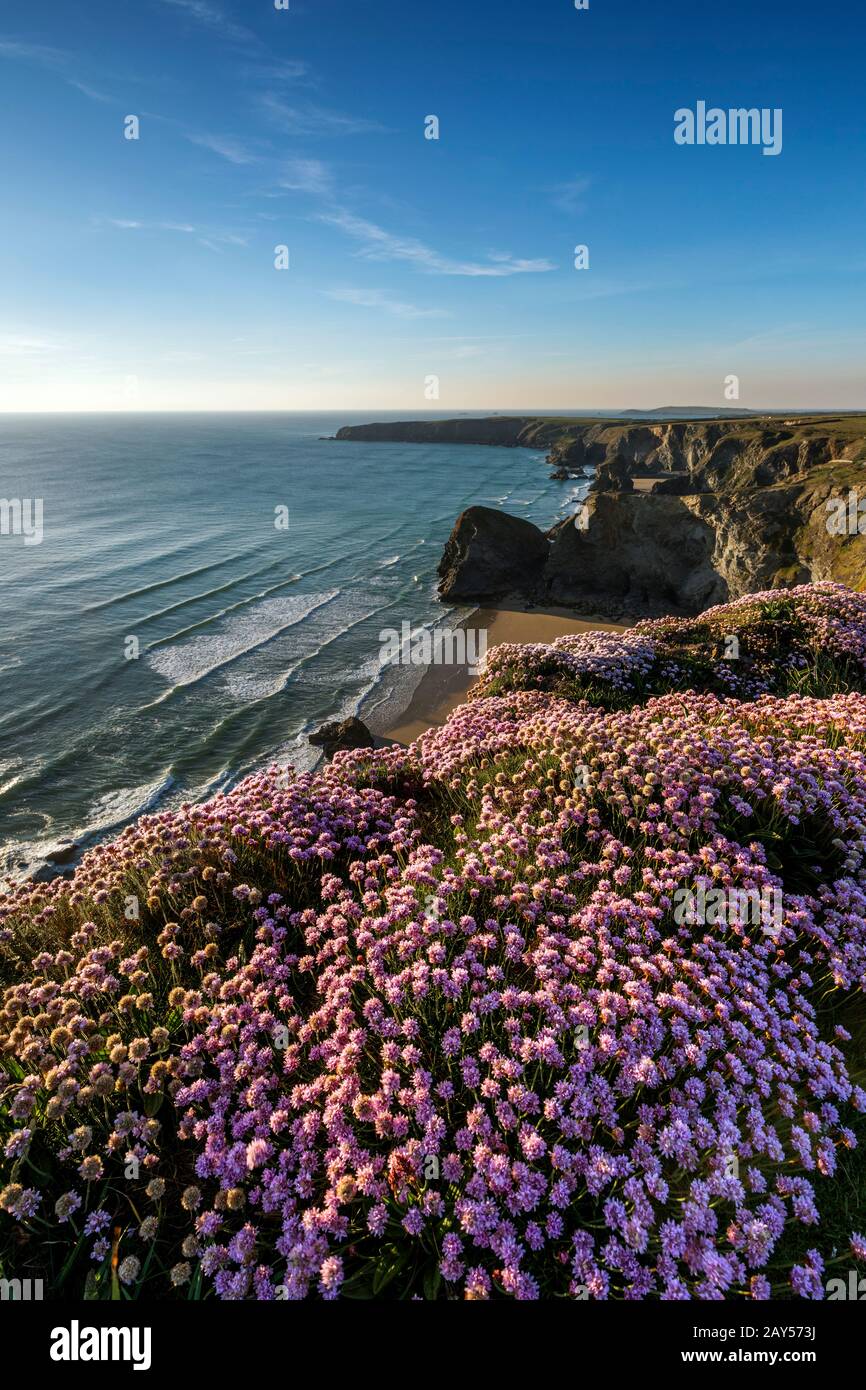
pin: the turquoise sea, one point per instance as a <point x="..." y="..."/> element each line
<point x="167" y="636"/>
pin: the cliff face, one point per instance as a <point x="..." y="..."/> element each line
<point x="504" y="430"/>
<point x="740" y="452"/>
<point x="490" y="554"/>
<point x="682" y="515"/>
<point x="754" y="451"/>
<point x="648" y="553"/>
<point x="637" y="554"/>
<point x="568" y="440"/>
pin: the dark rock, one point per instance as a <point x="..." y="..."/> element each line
<point x="63" y="854"/>
<point x="505" y="430"/>
<point x="342" y="734"/>
<point x="46" y="873"/>
<point x="614" y="475"/>
<point x="675" y="485"/>
<point x="490" y="554"/>
<point x="648" y="554"/>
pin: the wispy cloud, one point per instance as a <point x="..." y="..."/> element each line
<point x="290" y="70"/>
<point x="569" y="197"/>
<point x="132" y="224"/>
<point x="773" y="337"/>
<point x="307" y="176"/>
<point x="216" y="241"/>
<point x="55" y="59"/>
<point x="89" y="91"/>
<point x="212" y="16"/>
<point x="33" y="53"/>
<point x="314" y="120"/>
<point x="22" y="345"/>
<point x="381" y="245"/>
<point x="235" y="151"/>
<point x="375" y="299"/>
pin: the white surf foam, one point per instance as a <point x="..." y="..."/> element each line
<point x="189" y="662"/>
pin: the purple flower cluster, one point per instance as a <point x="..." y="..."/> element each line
<point x="616" y="659"/>
<point x="782" y="635"/>
<point x="432" y="1010"/>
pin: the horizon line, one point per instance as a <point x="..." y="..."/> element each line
<point x="457" y="411"/>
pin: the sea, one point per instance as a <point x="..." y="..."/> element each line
<point x="204" y="592"/>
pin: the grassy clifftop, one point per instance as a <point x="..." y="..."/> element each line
<point x="634" y="439"/>
<point x="565" y="999"/>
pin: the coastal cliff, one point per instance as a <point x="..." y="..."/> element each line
<point x="680" y="514"/>
<point x="509" y="431"/>
<point x="522" y="431"/>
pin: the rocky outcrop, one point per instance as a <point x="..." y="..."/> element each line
<point x="65" y="853"/>
<point x="59" y="862"/>
<point x="730" y="451"/>
<point x="614" y="475"/>
<point x="342" y="734"/>
<point x="503" y="430"/>
<point x="682" y="512"/>
<point x="490" y="554"/>
<point x="647" y="553"/>
<point x="564" y="474"/>
<point x="634" y="553"/>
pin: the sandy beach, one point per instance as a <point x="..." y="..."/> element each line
<point x="442" y="688"/>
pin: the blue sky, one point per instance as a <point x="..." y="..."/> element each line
<point x="140" y="274"/>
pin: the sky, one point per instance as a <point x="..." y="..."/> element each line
<point x="141" y="274"/>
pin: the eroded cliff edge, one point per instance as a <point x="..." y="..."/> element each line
<point x="680" y="515"/>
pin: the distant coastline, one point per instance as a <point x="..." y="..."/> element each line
<point x="685" y="510"/>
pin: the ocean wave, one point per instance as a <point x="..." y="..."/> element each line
<point x="347" y="612"/>
<point x="117" y="808"/>
<point x="193" y="661"/>
<point x="208" y="593"/>
<point x="107" y="815"/>
<point x="160" y="583"/>
<point x="222" y="613"/>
